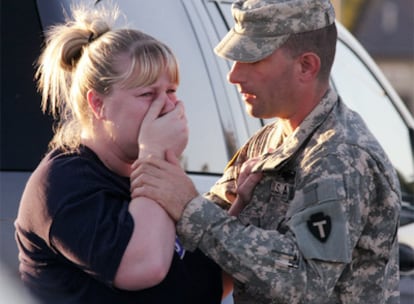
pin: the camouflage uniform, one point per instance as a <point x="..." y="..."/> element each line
<point x="322" y="224"/>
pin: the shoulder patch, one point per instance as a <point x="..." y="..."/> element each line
<point x="321" y="232"/>
<point x="319" y="225"/>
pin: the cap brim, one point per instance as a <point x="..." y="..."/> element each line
<point x="242" y="48"/>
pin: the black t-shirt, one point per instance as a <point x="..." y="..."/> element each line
<point x="72" y="229"/>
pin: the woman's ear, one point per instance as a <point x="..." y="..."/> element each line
<point x="95" y="102"/>
<point x="310" y="65"/>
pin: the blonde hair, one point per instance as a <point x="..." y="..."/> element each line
<point x="82" y="54"/>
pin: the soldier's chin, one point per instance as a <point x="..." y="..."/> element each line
<point x="250" y="110"/>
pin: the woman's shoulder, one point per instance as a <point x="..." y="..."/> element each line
<point x="75" y="169"/>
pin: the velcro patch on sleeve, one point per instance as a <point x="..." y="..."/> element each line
<point x="321" y="230"/>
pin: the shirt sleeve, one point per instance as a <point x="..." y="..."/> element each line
<point x="93" y="234"/>
<point x="88" y="206"/>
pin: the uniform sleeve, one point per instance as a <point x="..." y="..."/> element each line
<point x="262" y="258"/>
<point x="328" y="218"/>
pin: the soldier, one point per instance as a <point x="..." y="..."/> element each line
<point x="321" y="224"/>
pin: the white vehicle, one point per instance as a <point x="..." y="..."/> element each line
<point x="217" y="119"/>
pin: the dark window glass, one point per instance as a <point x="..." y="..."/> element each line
<point x="25" y="131"/>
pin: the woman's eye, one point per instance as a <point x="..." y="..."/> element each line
<point x="147" y="94"/>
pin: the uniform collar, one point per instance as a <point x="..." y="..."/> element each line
<point x="299" y="137"/>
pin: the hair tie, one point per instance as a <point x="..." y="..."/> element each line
<point x="91" y="38"/>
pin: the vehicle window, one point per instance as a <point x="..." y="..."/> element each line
<point x="25" y="131"/>
<point x="225" y="7"/>
<point x="234" y="115"/>
<point x="362" y="92"/>
<point x="226" y="10"/>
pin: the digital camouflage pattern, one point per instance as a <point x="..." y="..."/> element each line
<point x="262" y="26"/>
<point x="322" y="223"/>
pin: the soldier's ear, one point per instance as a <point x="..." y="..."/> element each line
<point x="310" y="65"/>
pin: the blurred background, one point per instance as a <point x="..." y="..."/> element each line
<point x="386" y="29"/>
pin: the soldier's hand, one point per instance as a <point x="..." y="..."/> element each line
<point x="246" y="183"/>
<point x="163" y="181"/>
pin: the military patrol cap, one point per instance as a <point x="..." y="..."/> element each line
<point x="262" y="26"/>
